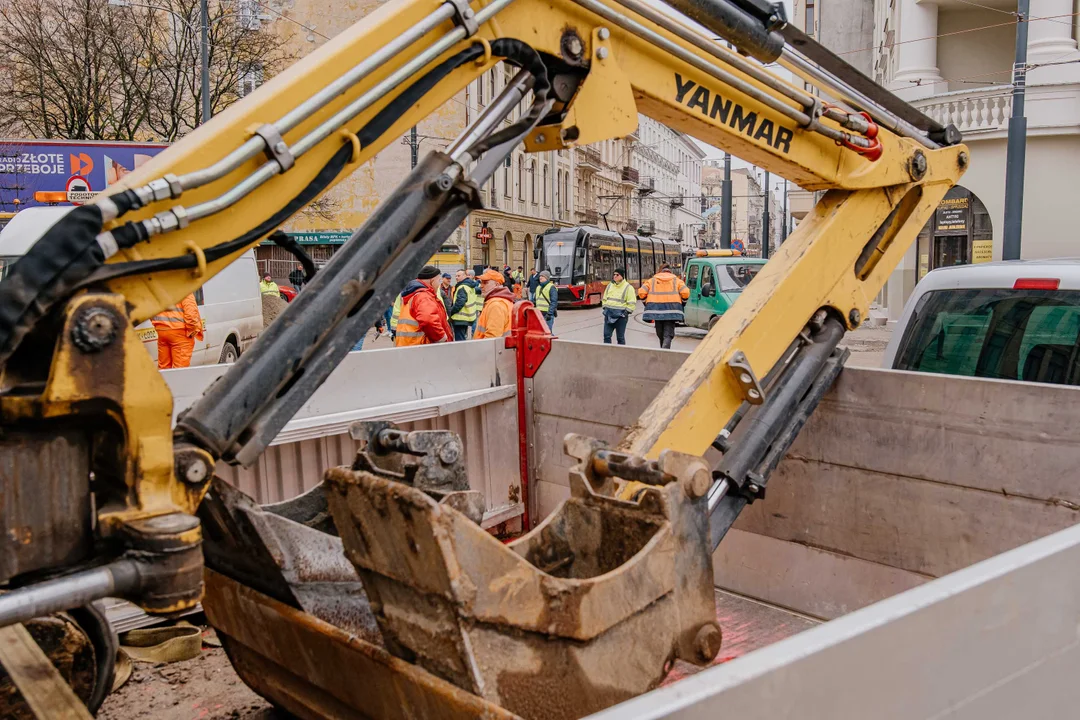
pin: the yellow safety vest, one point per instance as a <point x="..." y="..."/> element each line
<point x="477" y="302"/>
<point x="543" y="297"/>
<point x="468" y="313"/>
<point x="395" y="313"/>
<point x="620" y="297"/>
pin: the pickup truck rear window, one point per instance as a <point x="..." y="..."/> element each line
<point x="1029" y="335"/>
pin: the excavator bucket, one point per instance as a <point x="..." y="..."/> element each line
<point x="589" y="609"/>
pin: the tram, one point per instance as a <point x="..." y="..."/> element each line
<point x="581" y="260"/>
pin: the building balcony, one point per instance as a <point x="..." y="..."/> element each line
<point x="588" y="160"/>
<point x="647" y="185"/>
<point x="677" y="202"/>
<point x="982" y="110"/>
<point x="590" y="216"/>
<point x="630" y="225"/>
<point x="630" y="176"/>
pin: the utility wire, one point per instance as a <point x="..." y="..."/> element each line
<point x="294" y="22"/>
<point x="957" y="32"/>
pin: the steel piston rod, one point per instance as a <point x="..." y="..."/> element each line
<point x="117" y="579"/>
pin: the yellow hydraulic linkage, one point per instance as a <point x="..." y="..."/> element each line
<point x="587" y="609"/>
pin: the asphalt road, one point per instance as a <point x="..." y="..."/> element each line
<point x="587" y="325"/>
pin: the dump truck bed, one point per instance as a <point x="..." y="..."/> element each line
<point x="903" y="501"/>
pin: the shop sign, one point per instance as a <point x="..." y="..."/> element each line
<point x="982" y="251"/>
<point x="953" y="216"/>
<point x="324" y="237"/>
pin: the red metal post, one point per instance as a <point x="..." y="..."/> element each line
<point x="531" y="339"/>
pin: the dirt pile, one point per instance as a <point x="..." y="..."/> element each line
<point x="272" y="306"/>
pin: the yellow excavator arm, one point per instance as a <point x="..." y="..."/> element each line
<point x="73" y="367"/>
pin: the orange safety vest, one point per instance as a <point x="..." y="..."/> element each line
<point x="169" y="318"/>
<point x="182" y="316"/>
<point x="495" y="320"/>
<point x="408" y="329"/>
<point x="663" y="294"/>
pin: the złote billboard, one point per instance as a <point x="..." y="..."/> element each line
<point x="44" y="172"/>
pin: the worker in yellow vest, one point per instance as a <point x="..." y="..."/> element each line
<point x="478" y="301"/>
<point x="464" y="310"/>
<point x="395" y="313"/>
<point x="547" y="299"/>
<point x="618" y="302"/>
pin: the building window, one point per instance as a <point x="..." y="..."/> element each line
<point x="809" y="17"/>
<point x="506" y="177"/>
<point x="247" y="15"/>
<point x="491" y="83"/>
<point x="545" y="191"/>
<point x="480" y="93"/>
<point x="250" y="80"/>
<point x="532" y="180"/>
<point x="565" y="191"/>
<point x="521" y="177"/>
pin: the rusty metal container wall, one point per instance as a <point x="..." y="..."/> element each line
<point x="44" y="525"/>
<point x="896" y="479"/>
<point x="465" y="387"/>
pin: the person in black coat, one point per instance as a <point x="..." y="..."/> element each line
<point x="296" y="277"/>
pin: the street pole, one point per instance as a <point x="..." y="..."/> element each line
<point x="785" y="218"/>
<point x="413" y="145"/>
<point x="725" y="205"/>
<point x="765" y="222"/>
<point x="204" y="57"/>
<point x="1017" y="147"/>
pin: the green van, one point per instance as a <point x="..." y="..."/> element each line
<point x="715" y="279"/>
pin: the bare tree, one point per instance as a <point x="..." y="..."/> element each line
<point x="89" y="70"/>
<point x="323" y="207"/>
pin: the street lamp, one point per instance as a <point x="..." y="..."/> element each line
<point x="204" y="43"/>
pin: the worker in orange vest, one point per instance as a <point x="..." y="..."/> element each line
<point x="177" y="329"/>
<point x="664" y="295"/>
<point x="423" y="316"/>
<point x="495" y="318"/>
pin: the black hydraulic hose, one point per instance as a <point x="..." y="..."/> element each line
<point x="49" y="271"/>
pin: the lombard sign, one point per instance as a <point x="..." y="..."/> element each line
<point x="40" y="172"/>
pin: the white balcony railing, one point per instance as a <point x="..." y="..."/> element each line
<point x="980" y="110"/>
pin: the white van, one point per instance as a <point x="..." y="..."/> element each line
<point x="229" y="302"/>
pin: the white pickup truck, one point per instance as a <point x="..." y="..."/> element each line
<point x="1017" y="320"/>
